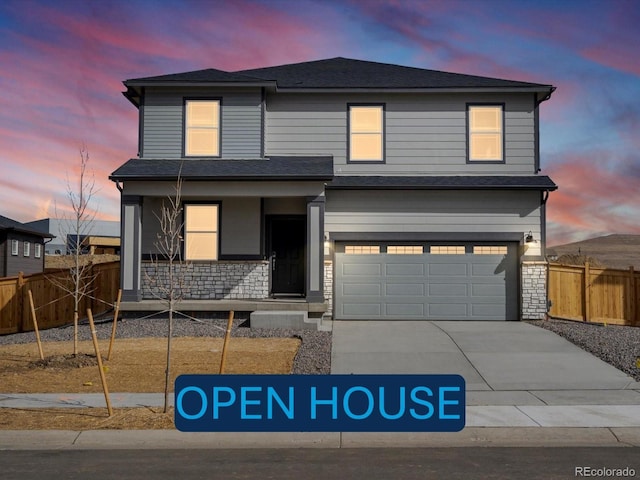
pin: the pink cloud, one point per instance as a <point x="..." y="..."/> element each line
<point x="591" y="200"/>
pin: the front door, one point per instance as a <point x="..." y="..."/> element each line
<point x="287" y="236"/>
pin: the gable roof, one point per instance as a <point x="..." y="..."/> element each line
<point x="7" y="224"/>
<point x="339" y="73"/>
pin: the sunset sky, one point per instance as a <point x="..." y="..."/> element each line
<point x="62" y="64"/>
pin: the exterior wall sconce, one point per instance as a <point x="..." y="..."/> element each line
<point x="528" y="238"/>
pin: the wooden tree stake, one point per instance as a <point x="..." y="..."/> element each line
<point x="227" y="336"/>
<point x="115" y="321"/>
<point x="97" y="349"/>
<point x="35" y="325"/>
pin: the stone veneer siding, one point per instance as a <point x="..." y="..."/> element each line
<point x="231" y="280"/>
<point x="328" y="287"/>
<point x="534" y="290"/>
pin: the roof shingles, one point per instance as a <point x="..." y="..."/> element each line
<point x="339" y="72"/>
<point x="10" y="224"/>
<point x="280" y="168"/>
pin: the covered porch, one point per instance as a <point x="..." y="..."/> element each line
<point x="264" y="241"/>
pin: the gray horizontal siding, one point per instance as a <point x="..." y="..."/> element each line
<point x="239" y="228"/>
<point x="425" y="133"/>
<point x="241" y="121"/>
<point x="434" y="212"/>
<point x="19" y="263"/>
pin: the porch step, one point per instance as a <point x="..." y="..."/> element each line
<point x="282" y="319"/>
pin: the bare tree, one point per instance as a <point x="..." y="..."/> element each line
<point x="78" y="224"/>
<point x="167" y="275"/>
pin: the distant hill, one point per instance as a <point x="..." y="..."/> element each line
<point x="614" y="251"/>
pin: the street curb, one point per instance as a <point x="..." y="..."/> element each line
<point x="173" y="439"/>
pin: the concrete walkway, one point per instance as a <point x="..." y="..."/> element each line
<point x="525" y="387"/>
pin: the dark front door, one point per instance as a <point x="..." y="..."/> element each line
<point x="287" y="236"/>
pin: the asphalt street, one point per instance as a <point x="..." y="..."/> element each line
<point x="347" y="464"/>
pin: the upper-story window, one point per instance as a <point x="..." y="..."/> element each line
<point x="366" y="133"/>
<point x="37" y="250"/>
<point x="202" y="128"/>
<point x="26" y="249"/>
<point x="201" y="231"/>
<point x="486" y="133"/>
<point x="14" y="247"/>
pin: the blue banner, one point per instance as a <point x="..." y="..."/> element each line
<point x="319" y="403"/>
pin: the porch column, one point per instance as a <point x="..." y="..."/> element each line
<point x="315" y="249"/>
<point x="130" y="248"/>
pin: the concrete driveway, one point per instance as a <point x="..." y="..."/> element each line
<point x="509" y="363"/>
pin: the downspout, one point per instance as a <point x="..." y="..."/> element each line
<point x="543" y="203"/>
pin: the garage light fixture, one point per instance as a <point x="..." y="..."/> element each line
<point x="528" y="237"/>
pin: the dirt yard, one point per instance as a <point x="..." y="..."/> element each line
<point x="136" y="365"/>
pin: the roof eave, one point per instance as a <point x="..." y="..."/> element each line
<point x="543" y="89"/>
<point x="443" y="187"/>
<point x="28" y="232"/>
<point x="184" y="83"/>
<point x="133" y="95"/>
<point x="234" y="178"/>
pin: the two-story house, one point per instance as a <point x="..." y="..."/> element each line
<point x="369" y="190"/>
<point x="21" y="248"/>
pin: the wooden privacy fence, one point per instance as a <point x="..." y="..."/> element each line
<point x="601" y="295"/>
<point x="54" y="305"/>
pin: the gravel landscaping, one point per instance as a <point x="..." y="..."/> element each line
<point x="617" y="345"/>
<point x="314" y="355"/>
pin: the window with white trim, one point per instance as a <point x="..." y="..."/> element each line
<point x="366" y="125"/>
<point x="362" y="249"/>
<point x="37" y="250"/>
<point x="485" y="133"/>
<point x="489" y="250"/>
<point x="15" y="245"/>
<point x="26" y="249"/>
<point x="202" y="128"/>
<point x="447" y="250"/>
<point x="405" y="249"/>
<point x="201" y="231"/>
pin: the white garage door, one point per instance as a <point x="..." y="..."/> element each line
<point x="426" y="281"/>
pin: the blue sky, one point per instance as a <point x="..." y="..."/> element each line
<point x="63" y="63"/>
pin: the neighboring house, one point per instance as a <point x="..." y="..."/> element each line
<point x="389" y="192"/>
<point x="21" y="248"/>
<point x="64" y="230"/>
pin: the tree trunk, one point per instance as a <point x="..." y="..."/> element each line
<point x="167" y="377"/>
<point x="75" y="331"/>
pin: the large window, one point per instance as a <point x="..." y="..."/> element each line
<point x="201" y="231"/>
<point x="202" y="128"/>
<point x="485" y="133"/>
<point x="366" y="133"/>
